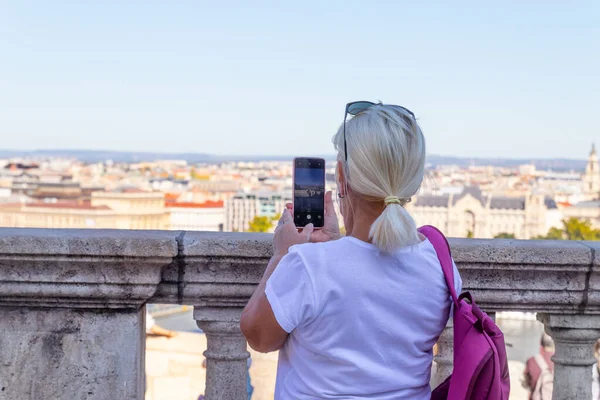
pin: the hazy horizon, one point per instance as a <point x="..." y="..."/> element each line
<point x="512" y="80"/>
<point x="271" y="156"/>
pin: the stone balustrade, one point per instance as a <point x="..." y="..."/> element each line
<point x="72" y="316"/>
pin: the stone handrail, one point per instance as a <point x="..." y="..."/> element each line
<point x="72" y="317"/>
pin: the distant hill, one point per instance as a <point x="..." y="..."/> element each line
<point x="92" y="156"/>
<point x="557" y="164"/>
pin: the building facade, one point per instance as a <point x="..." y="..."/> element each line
<point x="585" y="211"/>
<point x="473" y="214"/>
<point x="241" y="209"/>
<point x="591" y="178"/>
<point x="207" y="216"/>
<point x="121" y="209"/>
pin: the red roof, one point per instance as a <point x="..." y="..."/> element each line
<point x="172" y="196"/>
<point x="206" y="204"/>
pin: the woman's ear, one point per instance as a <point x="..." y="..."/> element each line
<point x="341" y="178"/>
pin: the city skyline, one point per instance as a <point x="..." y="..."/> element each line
<point x="433" y="160"/>
<point x="484" y="80"/>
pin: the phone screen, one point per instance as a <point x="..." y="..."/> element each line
<point x="309" y="191"/>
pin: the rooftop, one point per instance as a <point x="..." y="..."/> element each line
<point x="496" y="202"/>
<point x="206" y="204"/>
<point x="67" y="205"/>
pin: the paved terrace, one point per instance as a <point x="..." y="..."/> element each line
<point x="72" y="315"/>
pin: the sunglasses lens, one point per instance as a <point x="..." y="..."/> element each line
<point x="359" y="107"/>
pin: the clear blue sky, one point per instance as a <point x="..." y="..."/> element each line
<point x="503" y="79"/>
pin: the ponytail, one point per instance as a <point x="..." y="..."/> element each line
<point x="394" y="228"/>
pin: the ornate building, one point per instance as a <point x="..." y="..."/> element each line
<point x="471" y="213"/>
<point x="591" y="178"/>
<point x="125" y="208"/>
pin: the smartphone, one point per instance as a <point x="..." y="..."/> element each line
<point x="309" y="191"/>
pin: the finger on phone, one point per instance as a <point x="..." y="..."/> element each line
<point x="308" y="229"/>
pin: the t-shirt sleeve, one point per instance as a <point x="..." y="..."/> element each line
<point x="290" y="292"/>
<point x="457" y="280"/>
<point x="457" y="286"/>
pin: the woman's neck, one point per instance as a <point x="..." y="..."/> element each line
<point x="365" y="214"/>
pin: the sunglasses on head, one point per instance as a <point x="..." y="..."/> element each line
<point x="356" y="107"/>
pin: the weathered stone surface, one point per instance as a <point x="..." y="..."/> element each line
<point x="218" y="265"/>
<point x="219" y="244"/>
<point x="226" y="354"/>
<point x="517" y="275"/>
<point x="92" y="242"/>
<point x="70" y="310"/>
<point x="71" y="354"/>
<point x="592" y="301"/>
<point x="517" y="252"/>
<point x="82" y="268"/>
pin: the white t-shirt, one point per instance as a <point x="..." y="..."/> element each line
<point x="362" y="323"/>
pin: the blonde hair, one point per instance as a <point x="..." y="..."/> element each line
<point x="386" y="159"/>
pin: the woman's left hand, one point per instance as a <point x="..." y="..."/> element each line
<point x="287" y="235"/>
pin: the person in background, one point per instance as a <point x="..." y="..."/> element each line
<point x="152" y="329"/>
<point x="536" y="366"/>
<point x="596" y="373"/>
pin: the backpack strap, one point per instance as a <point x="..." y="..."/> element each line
<point x="442" y="249"/>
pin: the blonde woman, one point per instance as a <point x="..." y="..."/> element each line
<point x="356" y="317"/>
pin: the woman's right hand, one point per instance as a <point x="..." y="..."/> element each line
<point x="331" y="225"/>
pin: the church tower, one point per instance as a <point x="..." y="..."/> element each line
<point x="591" y="179"/>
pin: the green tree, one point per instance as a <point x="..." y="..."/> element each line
<point x="262" y="224"/>
<point x="469" y="234"/>
<point x="575" y="229"/>
<point x="505" y="235"/>
<point x="553" y="234"/>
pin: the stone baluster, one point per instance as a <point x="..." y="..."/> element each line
<point x="221" y="272"/>
<point x="226" y="354"/>
<point x="72" y="321"/>
<point x="574" y="337"/>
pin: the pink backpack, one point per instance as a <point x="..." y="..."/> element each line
<point x="480" y="364"/>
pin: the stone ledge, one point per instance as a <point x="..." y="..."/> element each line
<point x="520" y="252"/>
<point x="108" y="268"/>
<point x="87" y="242"/>
<point x="82" y="268"/>
<point x="219" y="244"/>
